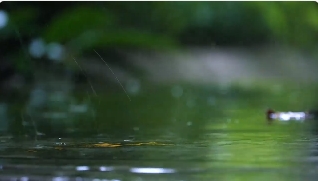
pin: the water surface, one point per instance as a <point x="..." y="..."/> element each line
<point x="171" y="133"/>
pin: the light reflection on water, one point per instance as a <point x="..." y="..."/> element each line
<point x="227" y="158"/>
<point x="177" y="134"/>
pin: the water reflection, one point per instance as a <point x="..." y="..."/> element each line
<point x="202" y="135"/>
<point x="152" y="170"/>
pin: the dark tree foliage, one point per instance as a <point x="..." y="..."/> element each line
<point x="111" y="26"/>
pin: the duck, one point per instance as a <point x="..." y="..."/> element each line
<point x="291" y="115"/>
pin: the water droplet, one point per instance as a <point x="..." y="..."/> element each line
<point x="136" y="128"/>
<point x="189" y="123"/>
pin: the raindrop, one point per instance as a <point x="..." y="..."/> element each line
<point x="37" y="48"/>
<point x="55" y="51"/>
<point x="177" y="91"/>
<point x="189" y="123"/>
<point x="3" y="19"/>
<point x="136" y="128"/>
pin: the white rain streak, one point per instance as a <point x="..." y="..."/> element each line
<point x="113" y="74"/>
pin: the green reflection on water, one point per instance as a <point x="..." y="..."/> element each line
<point x="219" y="130"/>
<point x="261" y="151"/>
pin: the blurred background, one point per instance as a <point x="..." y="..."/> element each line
<point x="49" y="54"/>
<point x="171" y="70"/>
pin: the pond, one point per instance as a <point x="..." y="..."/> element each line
<point x="171" y="132"/>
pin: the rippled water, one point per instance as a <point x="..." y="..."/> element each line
<point x="254" y="155"/>
<point x="196" y="135"/>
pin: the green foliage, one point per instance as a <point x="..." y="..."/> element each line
<point x="294" y="23"/>
<point x="123" y="38"/>
<point x="289" y="22"/>
<point x="73" y="22"/>
<point x="22" y="20"/>
<point x="162" y="25"/>
<point x="84" y="28"/>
